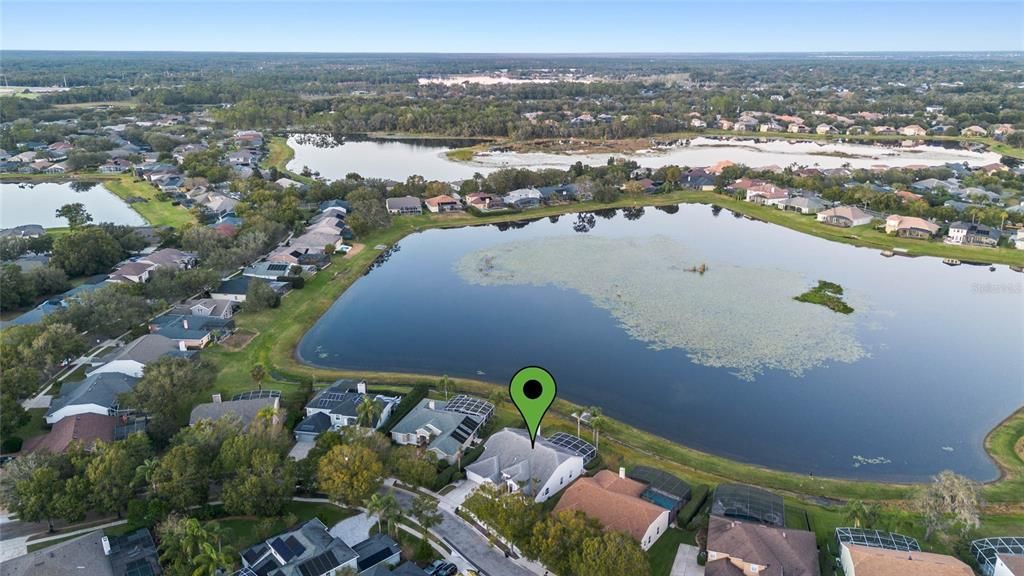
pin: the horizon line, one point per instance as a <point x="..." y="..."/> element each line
<point x="520" y="53"/>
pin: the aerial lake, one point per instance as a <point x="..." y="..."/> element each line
<point x="37" y="203"/>
<point x="615" y="305"/>
<point x="399" y="159"/>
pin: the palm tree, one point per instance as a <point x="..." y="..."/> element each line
<point x="859" y="514"/>
<point x="258" y="373"/>
<point x="368" y="411"/>
<point x="595" y="422"/>
<point x="424" y="510"/>
<point x="444" y="385"/>
<point x="213" y="560"/>
<point x="383" y="507"/>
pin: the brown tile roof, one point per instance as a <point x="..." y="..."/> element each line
<point x="1014" y="563"/>
<point x="613" y="501"/>
<point x="782" y="550"/>
<point x="442" y="199"/>
<point x="85" y="428"/>
<point x="877" y="562"/>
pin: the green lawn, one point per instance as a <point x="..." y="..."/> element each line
<point x="157" y="212"/>
<point x="663" y="553"/>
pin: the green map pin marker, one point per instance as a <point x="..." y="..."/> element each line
<point x="533" y="391"/>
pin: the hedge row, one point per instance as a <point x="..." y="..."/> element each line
<point x="698" y="495"/>
<point x="409" y="401"/>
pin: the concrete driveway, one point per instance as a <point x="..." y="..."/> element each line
<point x="456" y="497"/>
<point x="301" y="450"/>
<point x="686" y="562"/>
<point x="354" y="529"/>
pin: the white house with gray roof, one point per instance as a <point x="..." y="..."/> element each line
<point x="306" y="550"/>
<point x="431" y="424"/>
<point x="404" y="205"/>
<point x="540" y="471"/>
<point x="336" y="406"/>
<point x="97" y="394"/>
<point x="132" y="359"/>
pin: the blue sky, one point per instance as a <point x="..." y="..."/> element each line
<point x="513" y="25"/>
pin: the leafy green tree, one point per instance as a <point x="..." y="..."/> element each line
<point x="260" y="296"/>
<point x="424" y="510"/>
<point x="860" y="514"/>
<point x="213" y="560"/>
<point x="86" y="251"/>
<point x="75" y="214"/>
<point x="556" y="536"/>
<point x="109" y="311"/>
<point x="167" y="391"/>
<point x="45" y="281"/>
<point x="349" y="473"/>
<point x="513" y="515"/>
<point x="182" y="478"/>
<point x="413" y="466"/>
<point x="610" y="554"/>
<point x="14" y="415"/>
<point x="71" y="503"/>
<point x="15" y="290"/>
<point x="59" y="342"/>
<point x="36" y="496"/>
<point x="261" y="488"/>
<point x="112" y="472"/>
<point x="258" y="373"/>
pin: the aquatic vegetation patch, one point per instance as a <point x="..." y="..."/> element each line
<point x="827" y="294"/>
<point x="741" y="319"/>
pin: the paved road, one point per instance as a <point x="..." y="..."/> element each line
<point x="469" y="542"/>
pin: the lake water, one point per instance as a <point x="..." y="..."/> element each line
<point x="37" y="203"/>
<point x="727" y="362"/>
<point x="398" y="160"/>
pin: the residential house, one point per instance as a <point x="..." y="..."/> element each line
<point x="736" y="547"/>
<point x="523" y="198"/>
<point x="404" y="205"/>
<point x="135" y="272"/>
<point x="86" y="429"/>
<point x="767" y="194"/>
<point x="132" y="358"/>
<point x="698" y="123"/>
<point x="910" y="227"/>
<point x="539" y="470"/>
<point x="803" y="204"/>
<point x="206" y="307"/>
<point x="337" y="406"/>
<point x="289" y="183"/>
<point x="999" y="555"/>
<point x="861" y="560"/>
<point x="912" y="130"/>
<point x="219" y="204"/>
<point x="485" y="202"/>
<point x="908" y="196"/>
<point x="97" y="394"/>
<point x="268" y="270"/>
<point x="698" y="179"/>
<point x="772" y="126"/>
<point x="844" y="216"/>
<point x="115" y="166"/>
<point x="615" y="501"/>
<point x="1008" y="565"/>
<point x="236" y="288"/>
<point x="930" y="184"/>
<point x="972" y="234"/>
<point x="379" y="550"/>
<point x="745" y="124"/>
<point x="562" y="192"/>
<point x="884" y="130"/>
<point x="825" y="129"/>
<point x="1018" y="239"/>
<point x="798" y="128"/>
<point x="93" y="554"/>
<point x="438" y="426"/>
<point x="191" y="332"/>
<point x="442" y="203"/>
<point x="242" y="157"/>
<point x="170" y="258"/>
<point x="662" y="489"/>
<point x="307" y="550"/>
<point x="974" y="130"/>
<point x="23" y="231"/>
<point x="245" y="407"/>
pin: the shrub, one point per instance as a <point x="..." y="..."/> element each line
<point x="698" y="495"/>
<point x="10" y="444"/>
<point x="409" y="401"/>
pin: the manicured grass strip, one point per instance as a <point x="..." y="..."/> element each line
<point x="663" y="553"/>
<point x="156" y="211"/>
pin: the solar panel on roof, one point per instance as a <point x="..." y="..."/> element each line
<point x="319" y="564"/>
<point x="295" y="546"/>
<point x="282" y="549"/>
<point x="277" y="267"/>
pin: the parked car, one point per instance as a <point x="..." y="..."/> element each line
<point x="445" y="569"/>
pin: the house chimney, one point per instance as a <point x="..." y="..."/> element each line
<point x="361" y="387"/>
<point x="184" y="323"/>
<point x="216" y="399"/>
<point x="622" y="472"/>
<point x="181" y="346"/>
<point x="431" y="405"/>
<point x="106" y="545"/>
